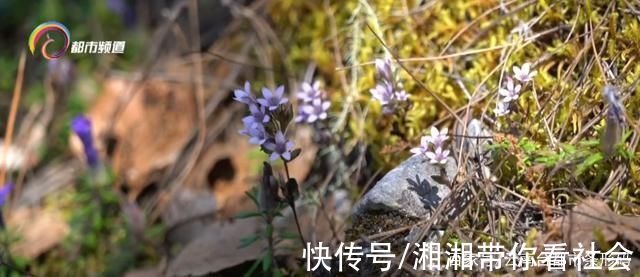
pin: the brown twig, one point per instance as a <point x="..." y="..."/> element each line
<point x="17" y="92"/>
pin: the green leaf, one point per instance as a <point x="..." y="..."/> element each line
<point x="289" y="236"/>
<point x="589" y="143"/>
<point x="269" y="230"/>
<point x="248" y="214"/>
<point x="246" y="241"/>
<point x="570" y="149"/>
<point x="252" y="195"/>
<point x="253" y="268"/>
<point x="589" y="162"/>
<point x="295" y="153"/>
<point x="266" y="262"/>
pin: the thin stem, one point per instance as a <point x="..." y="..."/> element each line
<point x="286" y="169"/>
<point x="271" y="248"/>
<point x="295" y="216"/>
<point x="293" y="205"/>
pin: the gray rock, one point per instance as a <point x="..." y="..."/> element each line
<point x="477" y="139"/>
<point x="414" y="188"/>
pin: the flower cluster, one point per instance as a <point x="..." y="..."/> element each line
<point x="267" y="122"/>
<point x="511" y="91"/>
<point x="437" y="139"/>
<point x="388" y="91"/>
<point x="314" y="106"/>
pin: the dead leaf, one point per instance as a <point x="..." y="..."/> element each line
<point x="224" y="168"/>
<point x="217" y="246"/>
<point x="154" y="125"/>
<point x="40" y="230"/>
<point x="593" y="216"/>
<point x="227" y="168"/>
<point x="188" y="210"/>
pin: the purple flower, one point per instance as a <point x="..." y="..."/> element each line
<point x="279" y="147"/>
<point x="316" y="110"/>
<point x="310" y="92"/>
<point x="256" y="132"/>
<point x="423" y="148"/>
<point x="523" y="30"/>
<point x="5" y="191"/>
<point x="524" y="73"/>
<point x="258" y="114"/>
<point x="314" y="107"/>
<point x="401" y="95"/>
<point x="438" y="157"/>
<point x="81" y="126"/>
<point x="438" y="137"/>
<point x="383" y="66"/>
<point x="272" y="99"/>
<point x="244" y="96"/>
<point x="502" y="108"/>
<point x="511" y="91"/>
<point x="616" y="108"/>
<point x="383" y="93"/>
<point x="388" y="91"/>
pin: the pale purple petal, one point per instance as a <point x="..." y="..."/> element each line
<point x="286" y="156"/>
<point x="430" y="155"/>
<point x="270" y="146"/>
<point x="416" y="150"/>
<point x="266" y="93"/>
<point x="274" y="156"/>
<point x="279" y="92"/>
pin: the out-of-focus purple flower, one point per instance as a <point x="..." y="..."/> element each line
<point x="401" y="95"/>
<point x="244" y="95"/>
<point x="316" y="110"/>
<point x="523" y="30"/>
<point x="310" y="92"/>
<point x="81" y="126"/>
<point x="614" y="121"/>
<point x="438" y="137"/>
<point x="123" y="10"/>
<point x="388" y="91"/>
<point x="423" y="148"/>
<point x="279" y="147"/>
<point x="383" y="66"/>
<point x="524" y="73"/>
<point x="314" y="107"/>
<point x="5" y="191"/>
<point x="256" y="132"/>
<point x="502" y="108"/>
<point x="273" y="99"/>
<point x="438" y="157"/>
<point x="616" y="109"/>
<point x="383" y="92"/>
<point x="511" y="91"/>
